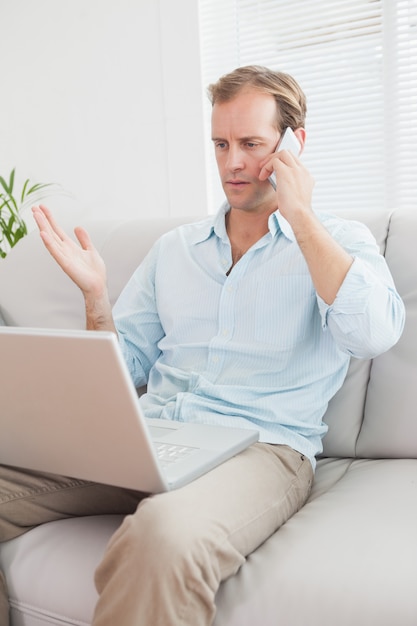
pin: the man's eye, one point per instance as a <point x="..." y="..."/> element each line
<point x="220" y="144"/>
<point x="250" y="144"/>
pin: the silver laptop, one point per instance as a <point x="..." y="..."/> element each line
<point x="68" y="406"/>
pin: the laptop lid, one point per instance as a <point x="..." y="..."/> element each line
<point x="69" y="407"/>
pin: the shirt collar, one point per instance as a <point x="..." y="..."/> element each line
<point x="278" y="223"/>
<point x="217" y="225"/>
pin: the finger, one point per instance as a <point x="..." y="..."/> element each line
<point x="287" y="157"/>
<point x="83" y="238"/>
<point x="61" y="234"/>
<point x="43" y="224"/>
<point x="41" y="221"/>
<point x="53" y="241"/>
<point x="266" y="170"/>
<point x="269" y="168"/>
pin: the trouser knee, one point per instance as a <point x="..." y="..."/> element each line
<point x="157" y="527"/>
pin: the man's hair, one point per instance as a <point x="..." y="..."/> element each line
<point x="289" y="97"/>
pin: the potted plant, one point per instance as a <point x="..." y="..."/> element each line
<point x="12" y="205"/>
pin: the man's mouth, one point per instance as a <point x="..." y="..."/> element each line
<point x="237" y="183"/>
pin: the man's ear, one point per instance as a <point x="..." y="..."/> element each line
<point x="300" y="133"/>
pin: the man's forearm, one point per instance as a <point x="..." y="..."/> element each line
<point x="327" y="261"/>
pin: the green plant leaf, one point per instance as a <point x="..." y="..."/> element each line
<point x="3" y="201"/>
<point x="11" y="181"/>
<point x="12" y="226"/>
<point x="19" y="234"/>
<point x="25" y="184"/>
<point x="8" y="187"/>
<point x="4" y="184"/>
<point x="37" y="187"/>
<point x="11" y="222"/>
<point x="11" y="204"/>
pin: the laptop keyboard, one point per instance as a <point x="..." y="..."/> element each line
<point x="169" y="453"/>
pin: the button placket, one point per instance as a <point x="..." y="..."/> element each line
<point x="226" y="316"/>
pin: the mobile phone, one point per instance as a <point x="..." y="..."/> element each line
<point x="288" y="142"/>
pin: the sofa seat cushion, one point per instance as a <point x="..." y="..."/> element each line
<point x="348" y="557"/>
<point x="50" y="570"/>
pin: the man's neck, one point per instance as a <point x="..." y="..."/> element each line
<point x="244" y="229"/>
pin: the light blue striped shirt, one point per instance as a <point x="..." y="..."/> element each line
<point x="257" y="348"/>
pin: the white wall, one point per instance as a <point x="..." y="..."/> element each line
<point x="105" y="98"/>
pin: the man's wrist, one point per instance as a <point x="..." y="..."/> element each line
<point x="99" y="313"/>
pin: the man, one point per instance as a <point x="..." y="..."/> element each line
<point x="249" y="319"/>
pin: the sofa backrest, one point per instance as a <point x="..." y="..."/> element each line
<point x="35" y="292"/>
<point x="390" y="422"/>
<point x="372" y="415"/>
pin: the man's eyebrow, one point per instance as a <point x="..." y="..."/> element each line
<point x="253" y="138"/>
<point x="242" y="139"/>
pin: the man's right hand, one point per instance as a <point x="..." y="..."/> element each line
<point x="82" y="263"/>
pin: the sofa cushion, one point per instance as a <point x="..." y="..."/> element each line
<point x="390" y="425"/>
<point x="52" y="566"/>
<point x="346" y="558"/>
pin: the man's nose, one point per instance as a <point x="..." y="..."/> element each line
<point x="235" y="160"/>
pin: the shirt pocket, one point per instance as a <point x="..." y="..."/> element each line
<point x="284" y="310"/>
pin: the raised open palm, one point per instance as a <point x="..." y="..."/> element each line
<point x="82" y="263"/>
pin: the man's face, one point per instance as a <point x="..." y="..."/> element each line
<point x="244" y="132"/>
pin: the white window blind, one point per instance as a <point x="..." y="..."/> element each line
<point x="356" y="60"/>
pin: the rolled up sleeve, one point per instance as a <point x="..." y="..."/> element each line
<point x="367" y="317"/>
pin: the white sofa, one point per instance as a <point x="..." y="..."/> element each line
<point x="348" y="558"/>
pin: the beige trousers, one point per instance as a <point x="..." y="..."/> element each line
<point x="165" y="563"/>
